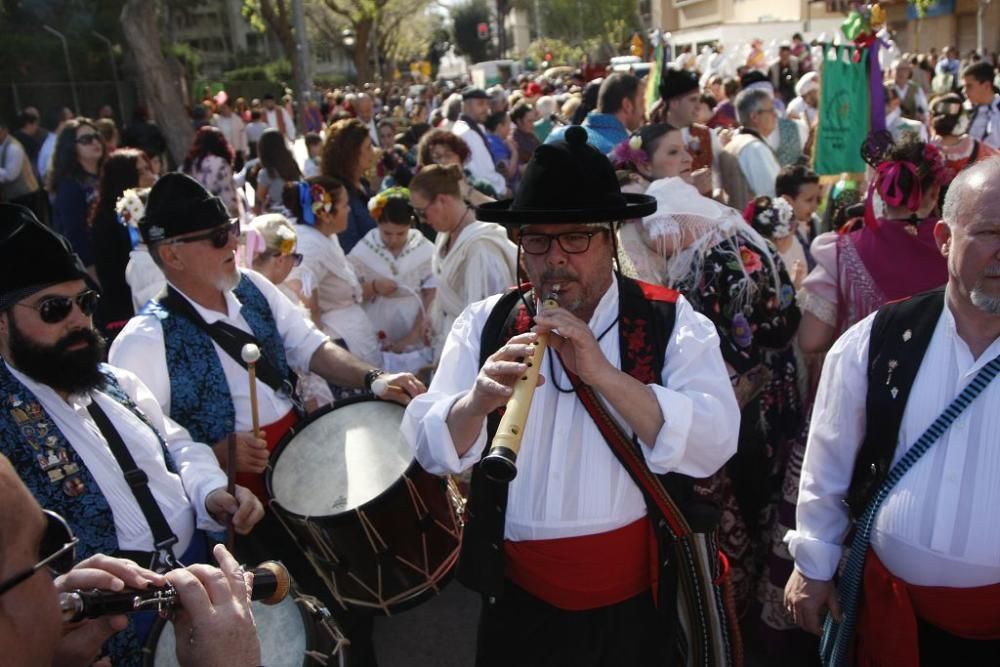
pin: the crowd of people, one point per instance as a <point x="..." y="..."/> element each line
<point x="756" y="344"/>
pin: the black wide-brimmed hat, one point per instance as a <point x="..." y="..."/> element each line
<point x="567" y="182"/>
<point x="32" y="256"/>
<point x="178" y="204"/>
<point x="677" y="82"/>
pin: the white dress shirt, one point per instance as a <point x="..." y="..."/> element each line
<point x="569" y="482"/>
<point x="939" y="525"/>
<point x="140" y="349"/>
<point x="13" y="156"/>
<point x="271" y="118"/>
<point x="234" y="130"/>
<point x="985" y="125"/>
<point x="480" y="162"/>
<point x="181" y="497"/>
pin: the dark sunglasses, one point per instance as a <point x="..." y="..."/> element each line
<point x="87" y="139"/>
<point x="56" y="550"/>
<point x="218" y="236"/>
<point x="55" y="309"/>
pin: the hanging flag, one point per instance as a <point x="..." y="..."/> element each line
<point x="844" y="118"/>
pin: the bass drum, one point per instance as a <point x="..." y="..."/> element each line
<point x="383" y="533"/>
<point x="296" y="631"/>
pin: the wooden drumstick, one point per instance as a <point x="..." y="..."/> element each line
<point x="230" y="487"/>
<point x="250" y="354"/>
<point x="382" y="387"/>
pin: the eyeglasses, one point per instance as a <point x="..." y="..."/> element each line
<point x="56" y="550"/>
<point x="296" y="257"/>
<point x="55" y="309"/>
<point x="218" y="236"/>
<point x="87" y="139"/>
<point x="572" y="243"/>
<point x="420" y="213"/>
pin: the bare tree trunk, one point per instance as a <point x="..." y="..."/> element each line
<point x="138" y="19"/>
<point x="362" y="49"/>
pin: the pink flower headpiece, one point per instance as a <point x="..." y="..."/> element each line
<point x="628" y="152"/>
<point x="887" y="176"/>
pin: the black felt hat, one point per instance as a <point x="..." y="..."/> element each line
<point x="178" y="204"/>
<point x="32" y="256"/>
<point x="474" y="94"/>
<point x="677" y="82"/>
<point x="568" y="182"/>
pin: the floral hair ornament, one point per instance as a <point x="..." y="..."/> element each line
<point x="771" y="217"/>
<point x="888" y="173"/>
<point x="629" y="151"/>
<point x="313" y="199"/>
<point x="129" y="210"/>
<point x="377" y="203"/>
<point x="286" y="240"/>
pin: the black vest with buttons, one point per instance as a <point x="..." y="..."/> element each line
<point x="900" y="336"/>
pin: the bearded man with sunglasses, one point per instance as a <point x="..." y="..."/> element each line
<point x="88" y="439"/>
<point x="187" y="344"/>
<point x="562" y="556"/>
<point x="32" y="631"/>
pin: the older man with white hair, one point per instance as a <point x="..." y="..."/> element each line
<point x="748" y="166"/>
<point x="922" y="584"/>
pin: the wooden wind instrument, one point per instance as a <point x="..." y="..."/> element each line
<point x="500" y="464"/>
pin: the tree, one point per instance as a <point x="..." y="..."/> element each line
<point x="138" y="21"/>
<point x="276" y="17"/>
<point x="465" y="30"/>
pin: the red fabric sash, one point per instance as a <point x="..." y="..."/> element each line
<point x="585" y="572"/>
<point x="273" y="433"/>
<point x="887" y="621"/>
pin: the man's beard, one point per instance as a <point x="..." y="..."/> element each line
<point x="988" y="303"/>
<point x="72" y="371"/>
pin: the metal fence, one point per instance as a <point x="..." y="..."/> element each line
<point x="89" y="96"/>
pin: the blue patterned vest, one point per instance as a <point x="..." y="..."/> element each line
<point x="59" y="480"/>
<point x="790" y="144"/>
<point x="200" y="399"/>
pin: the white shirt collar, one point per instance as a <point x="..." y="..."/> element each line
<point x="233" y="306"/>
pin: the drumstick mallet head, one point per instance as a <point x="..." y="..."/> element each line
<point x="381" y="387"/>
<point x="250" y="355"/>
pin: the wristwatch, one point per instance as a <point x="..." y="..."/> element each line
<point x="371" y="376"/>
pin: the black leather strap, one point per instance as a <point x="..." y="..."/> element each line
<point x="138" y="482"/>
<point x="230" y="339"/>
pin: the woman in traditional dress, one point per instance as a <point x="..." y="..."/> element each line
<point x="889" y="256"/>
<point x="270" y="250"/>
<point x="951" y="136"/>
<point x="210" y="162"/>
<point x="734" y="277"/>
<point x="472" y="260"/>
<point x="326" y="280"/>
<point x="393" y="263"/>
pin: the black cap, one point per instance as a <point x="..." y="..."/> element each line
<point x="32" y="256"/>
<point x="474" y="94"/>
<point x="569" y="182"/>
<point x="178" y="204"/>
<point x="677" y="82"/>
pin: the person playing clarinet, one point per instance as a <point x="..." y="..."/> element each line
<point x="562" y="554"/>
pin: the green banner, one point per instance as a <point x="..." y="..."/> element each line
<point x="843" y="111"/>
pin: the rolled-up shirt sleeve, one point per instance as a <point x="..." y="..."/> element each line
<point x="835" y="435"/>
<point x="701" y="418"/>
<point x="196" y="463"/>
<point x="425" y="424"/>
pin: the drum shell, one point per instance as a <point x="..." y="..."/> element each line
<point x="390" y="553"/>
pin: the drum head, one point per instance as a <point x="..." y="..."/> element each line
<point x="280" y="628"/>
<point x="341" y="459"/>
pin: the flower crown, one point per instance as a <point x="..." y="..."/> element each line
<point x="313" y="198"/>
<point x="772" y="217"/>
<point x="629" y="152"/>
<point x="377" y="203"/>
<point x="286" y="240"/>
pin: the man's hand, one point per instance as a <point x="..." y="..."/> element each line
<point x="400" y="387"/>
<point x="81" y="642"/>
<point x="251" y="453"/>
<point x="495" y="382"/>
<point x="807" y="600"/>
<point x="245" y="508"/>
<point x="214" y="624"/>
<point x="575" y="342"/>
